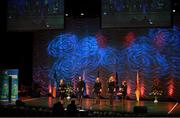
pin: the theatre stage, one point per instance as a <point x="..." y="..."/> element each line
<point x="161" y="108"/>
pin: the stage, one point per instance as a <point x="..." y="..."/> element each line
<point x="154" y="109"/>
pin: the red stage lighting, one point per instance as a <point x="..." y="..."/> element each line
<point x="128" y="89"/>
<point x="171" y="88"/>
<point x="101" y="40"/>
<point x="142" y="89"/>
<point x="129" y="38"/>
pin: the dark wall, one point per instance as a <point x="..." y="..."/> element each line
<point x="16" y="52"/>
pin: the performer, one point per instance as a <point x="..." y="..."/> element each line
<point x="97" y="90"/>
<point x="80" y="89"/>
<point x="62" y="90"/>
<point x="123" y="89"/>
<point x="111" y="89"/>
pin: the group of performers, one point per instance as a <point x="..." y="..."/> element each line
<point x="97" y="89"/>
<point x="79" y="90"/>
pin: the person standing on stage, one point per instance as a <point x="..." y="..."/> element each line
<point x="97" y="90"/>
<point x="124" y="89"/>
<point x="80" y="89"/>
<point x="111" y="89"/>
<point x="62" y="90"/>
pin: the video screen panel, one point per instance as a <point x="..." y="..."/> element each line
<point x="35" y="14"/>
<point x="135" y="13"/>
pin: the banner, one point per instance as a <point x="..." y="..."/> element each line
<point x="14" y="85"/>
<point x="4" y="85"/>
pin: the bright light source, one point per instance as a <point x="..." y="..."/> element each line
<point x="47" y="25"/>
<point x="150" y="22"/>
<point x="81" y="110"/>
<point x="174" y="10"/>
<point x="66" y="14"/>
<point x="68" y="97"/>
<point x="82" y="14"/>
<point x="105" y="13"/>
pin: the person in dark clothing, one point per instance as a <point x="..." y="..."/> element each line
<point x="62" y="90"/>
<point x="72" y="109"/>
<point x="97" y="90"/>
<point x="80" y="89"/>
<point x="124" y="89"/>
<point x="111" y="89"/>
<point x="58" y="109"/>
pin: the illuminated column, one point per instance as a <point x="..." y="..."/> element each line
<point x="54" y="89"/>
<point x="137" y="92"/>
<point x="142" y="88"/>
<point x="128" y="88"/>
<point x="171" y="87"/>
<point x="49" y="87"/>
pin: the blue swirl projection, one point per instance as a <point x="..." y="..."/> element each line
<point x="62" y="45"/>
<point x="66" y="67"/>
<point x="87" y="51"/>
<point x="88" y="46"/>
<point x="162" y="65"/>
<point x="154" y="55"/>
<point x="170" y="48"/>
<point x="108" y="58"/>
<point x="140" y="57"/>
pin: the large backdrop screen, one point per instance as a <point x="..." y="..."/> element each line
<point x="135" y="13"/>
<point x="35" y="14"/>
<point x="89" y="52"/>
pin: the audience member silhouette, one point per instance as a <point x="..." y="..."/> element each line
<point x="72" y="109"/>
<point x="58" y="109"/>
<point x="19" y="103"/>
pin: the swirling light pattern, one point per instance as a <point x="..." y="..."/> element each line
<point x="153" y="55"/>
<point x="62" y="45"/>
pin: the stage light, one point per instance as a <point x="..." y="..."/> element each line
<point x="105" y="13"/>
<point x="174" y="10"/>
<point x="81" y="110"/>
<point x="68" y="97"/>
<point x="171" y="88"/>
<point x="82" y="14"/>
<point x="66" y="14"/>
<point x="47" y="25"/>
<point x="129" y="38"/>
<point x="142" y="89"/>
<point x="150" y="22"/>
<point x="137" y="91"/>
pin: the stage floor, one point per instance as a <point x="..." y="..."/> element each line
<point x="118" y="105"/>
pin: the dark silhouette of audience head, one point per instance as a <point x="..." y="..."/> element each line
<point x="72" y="109"/>
<point x="58" y="109"/>
<point x="19" y="103"/>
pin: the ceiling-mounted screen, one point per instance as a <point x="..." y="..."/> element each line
<point x="135" y="13"/>
<point x="35" y="14"/>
